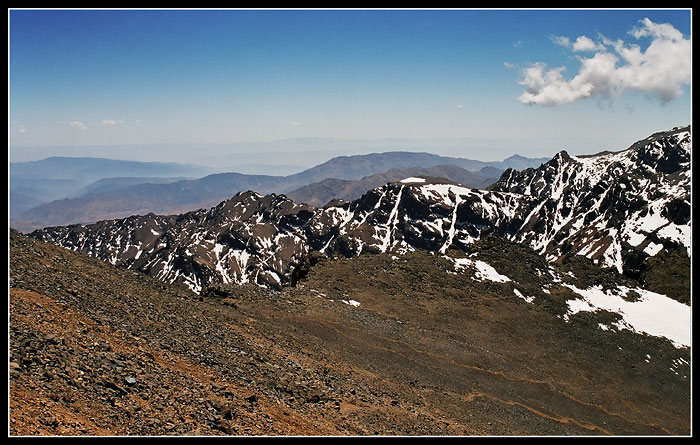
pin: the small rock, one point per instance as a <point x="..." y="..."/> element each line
<point x="130" y="380"/>
<point x="227" y="413"/>
<point x="225" y="426"/>
<point x="51" y="339"/>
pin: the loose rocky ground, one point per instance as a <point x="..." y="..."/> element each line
<point x="368" y="346"/>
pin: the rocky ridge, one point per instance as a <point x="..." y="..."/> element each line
<point x="615" y="208"/>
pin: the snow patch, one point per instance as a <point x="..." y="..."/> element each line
<point x="653" y="248"/>
<point x="412" y="179"/>
<point x="484" y="271"/>
<point x="635" y="238"/>
<point x="653" y="314"/>
<point x="520" y="295"/>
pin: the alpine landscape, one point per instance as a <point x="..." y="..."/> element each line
<point x="408" y="290"/>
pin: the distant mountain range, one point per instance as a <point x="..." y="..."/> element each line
<point x="57" y="191"/>
<point x="617" y="209"/>
<point x="34" y="183"/>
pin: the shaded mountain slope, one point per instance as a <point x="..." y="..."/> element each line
<point x="113" y="183"/>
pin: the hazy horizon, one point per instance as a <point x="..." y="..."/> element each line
<point x="311" y="151"/>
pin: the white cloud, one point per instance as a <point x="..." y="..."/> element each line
<point x="297" y="124"/>
<point x="660" y="71"/>
<point x="111" y="122"/>
<point x="649" y="28"/>
<point x="508" y="65"/>
<point x="584" y="43"/>
<point x="549" y="87"/>
<point x="78" y="124"/>
<point x="21" y="128"/>
<point x="459" y="106"/>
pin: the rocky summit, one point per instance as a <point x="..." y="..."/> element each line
<point x="555" y="302"/>
<point x="615" y="208"/>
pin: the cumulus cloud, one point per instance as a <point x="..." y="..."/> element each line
<point x="111" y="122"/>
<point x="660" y="71"/>
<point x="78" y="124"/>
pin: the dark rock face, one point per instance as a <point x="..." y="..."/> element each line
<point x="616" y="209"/>
<point x="250" y="238"/>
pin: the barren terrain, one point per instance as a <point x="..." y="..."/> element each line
<point x="374" y="345"/>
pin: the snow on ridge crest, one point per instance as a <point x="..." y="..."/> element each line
<point x="412" y="180"/>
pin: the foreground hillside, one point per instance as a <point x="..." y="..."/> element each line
<point x="422" y="344"/>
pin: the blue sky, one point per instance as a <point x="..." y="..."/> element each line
<point x="117" y="77"/>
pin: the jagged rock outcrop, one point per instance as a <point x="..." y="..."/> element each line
<point x="615" y="208"/>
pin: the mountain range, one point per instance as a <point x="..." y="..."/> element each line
<point x="618" y="209"/>
<point x="56" y="192"/>
<point x="321" y="193"/>
<point x="34" y="183"/>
